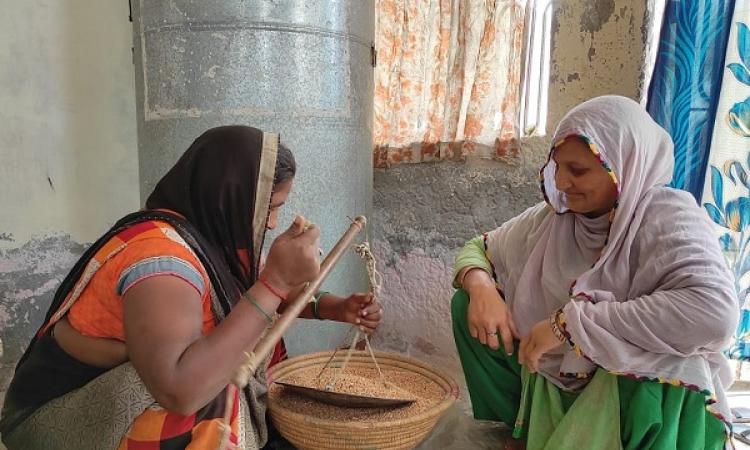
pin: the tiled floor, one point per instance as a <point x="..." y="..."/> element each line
<point x="457" y="430"/>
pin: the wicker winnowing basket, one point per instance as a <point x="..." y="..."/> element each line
<point x="318" y="433"/>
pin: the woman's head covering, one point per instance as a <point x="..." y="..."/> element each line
<point x="656" y="242"/>
<point x="635" y="150"/>
<point x="222" y="185"/>
<point x="570" y="248"/>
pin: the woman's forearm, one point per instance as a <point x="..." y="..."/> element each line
<point x="183" y="369"/>
<point x="472" y="255"/>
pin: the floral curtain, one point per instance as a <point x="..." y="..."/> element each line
<point x="447" y="80"/>
<point x="726" y="194"/>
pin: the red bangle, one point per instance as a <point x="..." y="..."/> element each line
<point x="272" y="289"/>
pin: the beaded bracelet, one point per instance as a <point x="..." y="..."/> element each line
<point x="247" y="296"/>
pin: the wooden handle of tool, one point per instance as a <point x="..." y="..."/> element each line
<point x="268" y="342"/>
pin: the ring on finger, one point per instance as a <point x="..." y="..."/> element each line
<point x="493" y="334"/>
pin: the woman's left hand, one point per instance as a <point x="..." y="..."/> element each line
<point x="360" y="309"/>
<point x="541" y="340"/>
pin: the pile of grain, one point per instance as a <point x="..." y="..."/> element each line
<point x="347" y="381"/>
<point x="361" y="381"/>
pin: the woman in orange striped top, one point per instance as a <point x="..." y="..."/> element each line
<point x="142" y="337"/>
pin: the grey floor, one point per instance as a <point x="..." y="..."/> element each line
<point x="457" y="430"/>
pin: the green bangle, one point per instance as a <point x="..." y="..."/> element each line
<point x="316" y="300"/>
<point x="246" y="295"/>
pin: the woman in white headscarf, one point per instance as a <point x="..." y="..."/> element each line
<point x="615" y="287"/>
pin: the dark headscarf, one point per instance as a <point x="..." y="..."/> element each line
<point x="218" y="187"/>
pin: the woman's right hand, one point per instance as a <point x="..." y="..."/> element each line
<point x="293" y="257"/>
<point x="488" y="315"/>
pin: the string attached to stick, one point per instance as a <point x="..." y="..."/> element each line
<point x="375" y="281"/>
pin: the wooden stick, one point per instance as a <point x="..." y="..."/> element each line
<point x="268" y="342"/>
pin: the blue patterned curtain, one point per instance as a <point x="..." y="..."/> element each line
<point x="684" y="89"/>
<point x="726" y="194"/>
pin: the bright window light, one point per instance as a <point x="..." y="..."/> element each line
<point x="535" y="77"/>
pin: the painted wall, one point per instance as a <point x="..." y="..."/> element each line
<point x="424" y="213"/>
<point x="68" y="156"/>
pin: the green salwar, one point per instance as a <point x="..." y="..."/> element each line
<point x="612" y="412"/>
